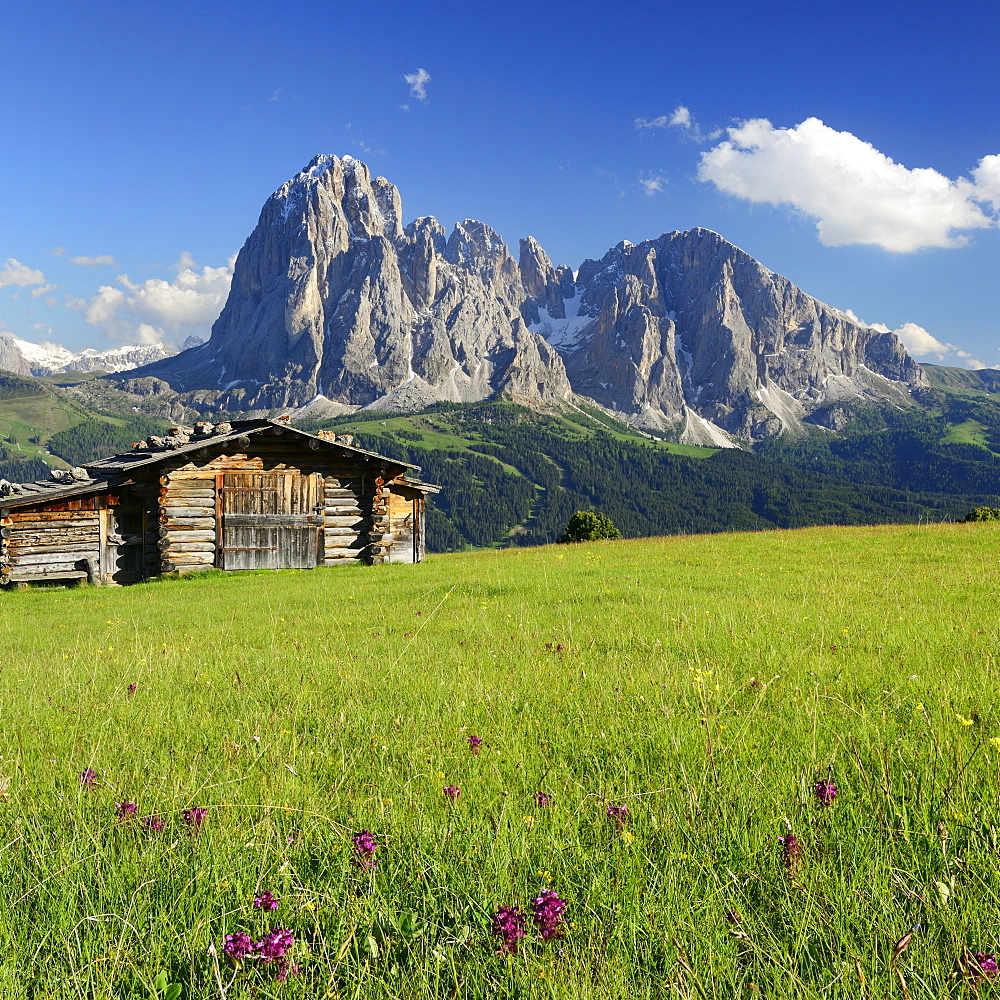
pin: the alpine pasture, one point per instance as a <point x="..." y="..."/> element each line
<point x="268" y="784"/>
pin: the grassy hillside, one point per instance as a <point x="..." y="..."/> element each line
<point x="707" y="684"/>
<point x="42" y="427"/>
<point x="964" y="380"/>
<point x="513" y="476"/>
<point x="951" y="444"/>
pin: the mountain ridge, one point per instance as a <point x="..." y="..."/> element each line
<point x="335" y="304"/>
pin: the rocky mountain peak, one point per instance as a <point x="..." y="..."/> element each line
<point x="685" y="334"/>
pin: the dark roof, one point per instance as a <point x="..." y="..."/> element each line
<point x="45" y="490"/>
<point x="241" y="428"/>
<point x="112" y="472"/>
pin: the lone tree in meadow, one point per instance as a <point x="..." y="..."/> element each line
<point x="984" y="514"/>
<point x="589" y="526"/>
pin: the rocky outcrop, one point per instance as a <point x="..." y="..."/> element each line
<point x="687" y="333"/>
<point x="333" y="300"/>
<point x="11" y="359"/>
<point x="331" y="297"/>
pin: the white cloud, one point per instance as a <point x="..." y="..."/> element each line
<point x="418" y="83"/>
<point x="661" y="122"/>
<point x="14" y="273"/>
<point x="855" y="193"/>
<point x="653" y="183"/>
<point x="98" y="261"/>
<point x="680" y="118"/>
<point x="37" y="293"/>
<point x="276" y="96"/>
<point x="157" y="310"/>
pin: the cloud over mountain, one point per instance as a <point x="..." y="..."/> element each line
<point x="855" y="193"/>
<point x="154" y="310"/>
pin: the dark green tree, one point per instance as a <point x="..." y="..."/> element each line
<point x="589" y="526"/>
<point x="984" y="514"/>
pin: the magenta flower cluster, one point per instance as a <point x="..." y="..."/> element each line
<point x="194" y="817"/>
<point x="543" y="800"/>
<point x="508" y="925"/>
<point x="452" y="791"/>
<point x="826" y="792"/>
<point x="266" y="901"/>
<point x="364" y="850"/>
<point x="126" y="809"/>
<point x="547" y="909"/>
<point x="87" y="777"/>
<point x="271" y="949"/>
<point x="475" y="742"/>
<point x="618" y="814"/>
<point x="987" y="965"/>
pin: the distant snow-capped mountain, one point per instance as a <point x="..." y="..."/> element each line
<point x="47" y="359"/>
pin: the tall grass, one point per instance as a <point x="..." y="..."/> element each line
<point x="706" y="683"/>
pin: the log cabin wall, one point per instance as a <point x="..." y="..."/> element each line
<point x="52" y="544"/>
<point x="405" y="523"/>
<point x="276" y="504"/>
<point x="267" y="497"/>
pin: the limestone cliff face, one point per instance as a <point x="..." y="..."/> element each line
<point x="333" y="298"/>
<point x="11" y="358"/>
<point x="691" y="334"/>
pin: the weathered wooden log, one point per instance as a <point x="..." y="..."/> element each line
<point x="331" y="511"/>
<point x="331" y="552"/>
<point x="185" y="512"/>
<point x="187" y="559"/>
<point x="23" y="551"/>
<point x="174" y="496"/>
<point x="346" y="522"/>
<point x="187" y="535"/>
<point x="191" y="478"/>
<point x="185" y="547"/>
<point x="76" y="516"/>
<point x="44" y="566"/>
<point x="169" y="523"/>
<point x="338" y="532"/>
<point x="35" y="577"/>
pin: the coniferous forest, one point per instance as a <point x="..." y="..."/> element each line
<point x="522" y="475"/>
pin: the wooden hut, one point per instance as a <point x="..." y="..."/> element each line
<point x="252" y="494"/>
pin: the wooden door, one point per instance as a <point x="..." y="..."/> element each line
<point x="123" y="556"/>
<point x="268" y="520"/>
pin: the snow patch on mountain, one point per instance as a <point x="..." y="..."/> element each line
<point x="48" y="359"/>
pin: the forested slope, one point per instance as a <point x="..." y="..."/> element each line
<point x="514" y="476"/>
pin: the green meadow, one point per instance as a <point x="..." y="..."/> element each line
<point x="705" y="683"/>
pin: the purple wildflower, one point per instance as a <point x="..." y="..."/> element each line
<point x="508" y="925"/>
<point x="126" y="809"/>
<point x="617" y="814"/>
<point x="364" y="850"/>
<point x="826" y="792"/>
<point x="87" y="777"/>
<point x="194" y="817"/>
<point x="791" y="851"/>
<point x="132" y="688"/>
<point x="475" y="742"/>
<point x="543" y="800"/>
<point x="266" y="901"/>
<point x="452" y="791"/>
<point x="153" y="823"/>
<point x="276" y="944"/>
<point x="286" y="969"/>
<point x="986" y="965"/>
<point x="547" y="910"/>
<point x="239" y="945"/>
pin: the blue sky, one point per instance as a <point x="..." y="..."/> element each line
<point x="853" y="147"/>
